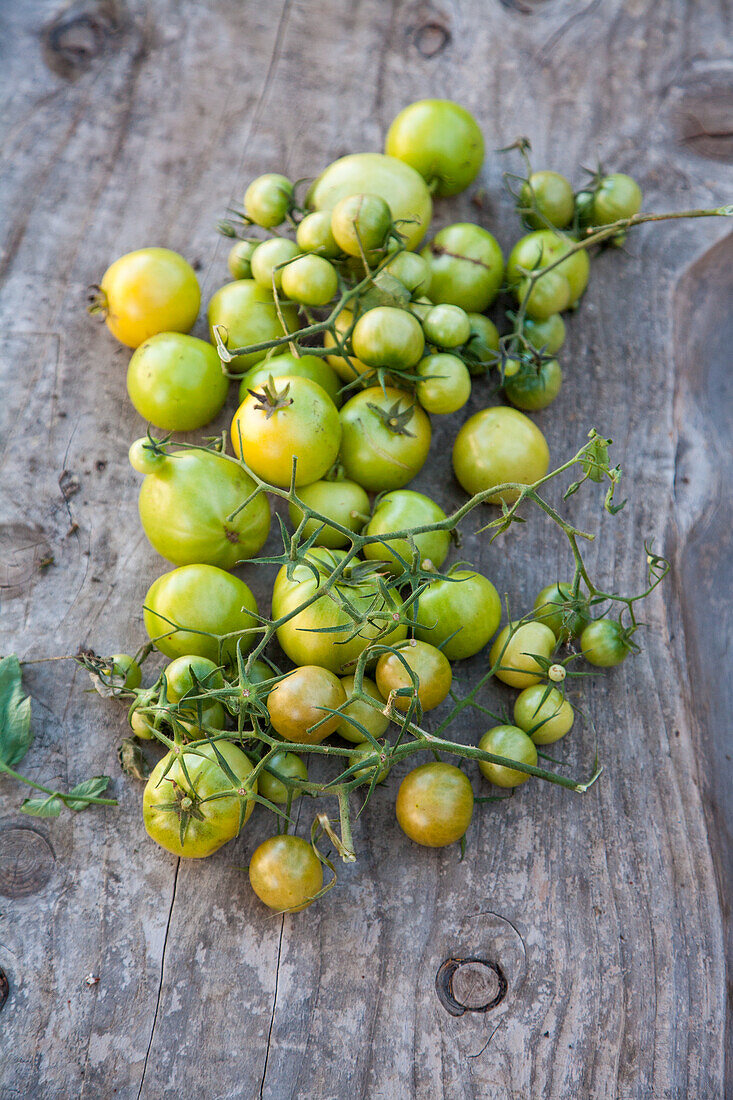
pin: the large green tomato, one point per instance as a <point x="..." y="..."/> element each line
<point x="184" y="507"/>
<point x="247" y="312"/>
<point x="287" y="365"/>
<point x="460" y="615"/>
<point x="542" y="248"/>
<point x="343" y="501"/>
<point x="176" y="382"/>
<point x="499" y="445"/>
<point x="466" y="267"/>
<point x="441" y="140"/>
<point x="203" y="602"/>
<point x="386" y="438"/>
<point x="176" y="812"/>
<point x="146" y="292"/>
<point x="397" y="511"/>
<point x="403" y="189"/>
<point x="336" y="649"/>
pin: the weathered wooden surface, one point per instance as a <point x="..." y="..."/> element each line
<point x="133" y="123"/>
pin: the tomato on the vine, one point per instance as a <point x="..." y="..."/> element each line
<point x="270" y="260"/>
<point x="239" y="260"/>
<point x="310" y="280"/>
<point x="176" y="381"/>
<point x="459" y="615"/>
<point x="515" y="650"/>
<point x="388" y="337"/>
<point x="360" y="224"/>
<point x="546" y="197"/>
<point x="535" y="385"/>
<point x="373" y="720"/>
<point x="247" y="314"/>
<point x="268" y="199"/>
<point x="314" y="235"/>
<point x="287" y="365"/>
<point x="543" y="714"/>
<point x="304" y="699"/>
<point x="285" y="873"/>
<point x="435" y="804"/>
<point x="555" y="607"/>
<point x="386" y="438"/>
<point x="441" y="140"/>
<point x="341" y="500"/>
<point x="397" y="511"/>
<point x="417" y="668"/>
<point x="288" y="765"/>
<point x="512" y="743"/>
<point x="604" y="643"/>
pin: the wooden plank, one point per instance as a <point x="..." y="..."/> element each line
<point x="128" y="124"/>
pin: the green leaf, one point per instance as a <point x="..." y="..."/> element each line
<point x="93" y="788"/>
<point x="15" y="714"/>
<point x="42" y="807"/>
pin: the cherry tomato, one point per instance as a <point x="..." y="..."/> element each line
<point x="441" y="140"/>
<point x="287" y="365"/>
<point x="269" y="259"/>
<point x="447" y="326"/>
<point x="124" y="671"/>
<point x="556" y="608"/>
<point x="459" y="615"/>
<point x="302" y="700"/>
<point x="179" y="811"/>
<point x="386" y="438"/>
<point x="547" y="335"/>
<point x="198" y="720"/>
<point x="543" y="714"/>
<point x="466" y="267"/>
<point x="239" y="260"/>
<point x="514" y="744"/>
<point x="286" y="764"/>
<point x="435" y="804"/>
<point x="369" y="717"/>
<point x="617" y="196"/>
<point x="403" y="189"/>
<point x="180" y="674"/>
<point x="185" y="504"/>
<point x="176" y="382"/>
<point x="301" y="638"/>
<point x="187" y="610"/>
<point x="366" y="753"/>
<point x="499" y="445"/>
<point x="604" y="644"/>
<point x="445" y="384"/>
<point x="285" y="873"/>
<point x="314" y="235"/>
<point x="548" y="295"/>
<point x="535" y="386"/>
<point x="482" y="347"/>
<point x="397" y="511"/>
<point x="343" y="501"/>
<point x="146" y="292"/>
<point x="412" y="270"/>
<point x="310" y="280"/>
<point x="144" y="457"/>
<point x="518" y="666"/>
<point x="294" y="419"/>
<point x="546" y="197"/>
<point x="426" y="664"/>
<point x="544" y="247"/>
<point x="388" y="337"/>
<point x="268" y="199"/>
<point x="360" y="224"/>
<point x="350" y="368"/>
<point x="248" y="315"/>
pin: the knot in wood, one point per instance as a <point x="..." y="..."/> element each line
<point x="470" y="985"/>
<point x="79" y="34"/>
<point x="431" y="38"/>
<point x="26" y="861"/>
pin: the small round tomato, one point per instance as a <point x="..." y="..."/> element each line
<point x="546" y="198"/>
<point x="176" y="382"/>
<point x="198" y="720"/>
<point x="435" y="804"/>
<point x="288" y="365"/>
<point x="535" y="385"/>
<point x="360" y="224"/>
<point x="187" y="812"/>
<point x="512" y="743"/>
<point x="373" y="720"/>
<point x="314" y="235"/>
<point x="269" y="261"/>
<point x="190" y="510"/>
<point x="515" y="649"/>
<point x="368" y="759"/>
<point x="188" y="610"/>
<point x="544" y="247"/>
<point x="346" y="368"/>
<point x="543" y="714"/>
<point x="144" y="456"/>
<point x="460" y="615"/>
<point x="445" y="384"/>
<point x="403" y="189"/>
<point x="247" y="313"/>
<point x="604" y="643"/>
<point x="398" y="511"/>
<point x="388" y="337"/>
<point x="310" y="280"/>
<point x="556" y="608"/>
<point x="386" y="290"/>
<point x="142" y="725"/>
<point x="386" y="438"/>
<point x="412" y="270"/>
<point x="548" y="295"/>
<point x="343" y="501"/>
<point x="181" y="673"/>
<point x="124" y="671"/>
<point x="617" y="196"/>
<point x="146" y="292"/>
<point x="294" y="420"/>
<point x="418" y="668"/>
<point x="466" y="267"/>
<point x="287" y="765"/>
<point x="441" y="140"/>
<point x="239" y="260"/>
<point x="547" y="336"/>
<point x="268" y="199"/>
<point x="499" y="445"/>
<point x="482" y="347"/>
<point x="285" y="873"/>
<point x="447" y="326"/>
<point x="303" y="700"/>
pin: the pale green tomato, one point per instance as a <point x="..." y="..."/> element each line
<point x="512" y="743"/>
<point x="497" y="446"/>
<point x="310" y="280"/>
<point x="287" y="365"/>
<point x="517" y="653"/>
<point x="248" y="315"/>
<point x="176" y="382"/>
<point x="412" y="270"/>
<point x="466" y="267"/>
<point x="268" y="261"/>
<point x="543" y="714"/>
<point x="314" y="235"/>
<point x="441" y="140"/>
<point x="239" y="259"/>
<point x="445" y="384"/>
<point x="287" y="764"/>
<point x="365" y="772"/>
<point x="398" y="511"/>
<point x="268" y="199"/>
<point x="459" y="615"/>
<point x="373" y="720"/>
<point x="343" y="501"/>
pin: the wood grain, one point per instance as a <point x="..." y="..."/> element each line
<point x="134" y="123"/>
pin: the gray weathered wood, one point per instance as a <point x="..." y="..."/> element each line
<point x="134" y="123"/>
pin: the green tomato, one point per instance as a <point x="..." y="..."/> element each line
<point x="548" y="295"/>
<point x="198" y="723"/>
<point x="547" y="335"/>
<point x="314" y="235"/>
<point x="386" y="438"/>
<point x="144" y="457"/>
<point x="556" y="608"/>
<point x="544" y="247"/>
<point x="301" y="705"/>
<point x="373" y="720"/>
<point x="447" y="326"/>
<point x="288" y="765"/>
<point x="124" y="671"/>
<point x="397" y="511"/>
<point x="535" y="386"/>
<point x="146" y="292"/>
<point x="617" y="196"/>
<point x="604" y="644"/>
<point x="543" y="714"/>
<point x="515" y="650"/>
<point x="360" y="224"/>
<point x="388" y="337"/>
<point x="239" y="259"/>
<point x="343" y="501"/>
<point x="435" y="804"/>
<point x="310" y="280"/>
<point x="285" y="873"/>
<point x="459" y="615"/>
<point x="185" y="505"/>
<point x="179" y="677"/>
<point x="466" y="267"/>
<point x="403" y="189"/>
<point x="269" y="260"/>
<point x="360" y="756"/>
<point x="512" y="743"/>
<point x="248" y="315"/>
<point x="499" y="445"/>
<point x="201" y="823"/>
<point x="546" y="197"/>
<point x="347" y="369"/>
<point x="482" y="347"/>
<point x="288" y="365"/>
<point x="412" y="270"/>
<point x="385" y="290"/>
<point x="176" y="382"/>
<point x="441" y="140"/>
<point x="417" y="668"/>
<point x="187" y="611"/>
<point x="445" y="384"/>
<point x="268" y="199"/>
<point x="300" y="637"/>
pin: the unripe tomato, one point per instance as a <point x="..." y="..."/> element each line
<point x="185" y="504"/>
<point x="388" y="337"/>
<point x="535" y="386"/>
<point x="544" y="247"/>
<point x="268" y="199"/>
<point x="176" y="382"/>
<point x="247" y="312"/>
<point x="499" y="445"/>
<point x="124" y="671"/>
<point x="290" y="766"/>
<point x="418" y="667"/>
<point x="198" y="723"/>
<point x="398" y="511"/>
<point x="347" y="369"/>
<point x="412" y="270"/>
<point x="441" y="140"/>
<point x="447" y="326"/>
<point x="314" y="235"/>
<point x="547" y="335"/>
<point x="435" y="804"/>
<point x="303" y="700"/>
<point x="364" y="753"/>
<point x="285" y="873"/>
<point x="466" y="267"/>
<point x="239" y="260"/>
<point x="287" y="365"/>
<point x="144" y="457"/>
<point x="179" y="677"/>
<point x="197" y="827"/>
<point x="460" y="615"/>
<point x="482" y="346"/>
<point x="617" y="196"/>
<point x="373" y="720"/>
<point x="146" y="292"/>
<point x="548" y="295"/>
<point x="555" y="608"/>
<point x="516" y="653"/>
<point x="604" y="643"/>
<point x="343" y="501"/>
<point x="445" y="384"/>
<point x="269" y="259"/>
<point x="386" y="438"/>
<point x="360" y="224"/>
<point x="546" y="197"/>
<point x="310" y="280"/>
<point x="543" y="714"/>
<point x="514" y="744"/>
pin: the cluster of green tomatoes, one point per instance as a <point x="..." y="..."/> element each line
<point x="345" y="333"/>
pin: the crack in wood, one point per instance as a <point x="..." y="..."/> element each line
<point x="160" y="983"/>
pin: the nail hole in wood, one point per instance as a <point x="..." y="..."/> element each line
<point x="431" y="38"/>
<point x="26" y="861"/>
<point x="470" y="985"/>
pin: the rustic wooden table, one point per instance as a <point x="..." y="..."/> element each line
<point x="128" y="123"/>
